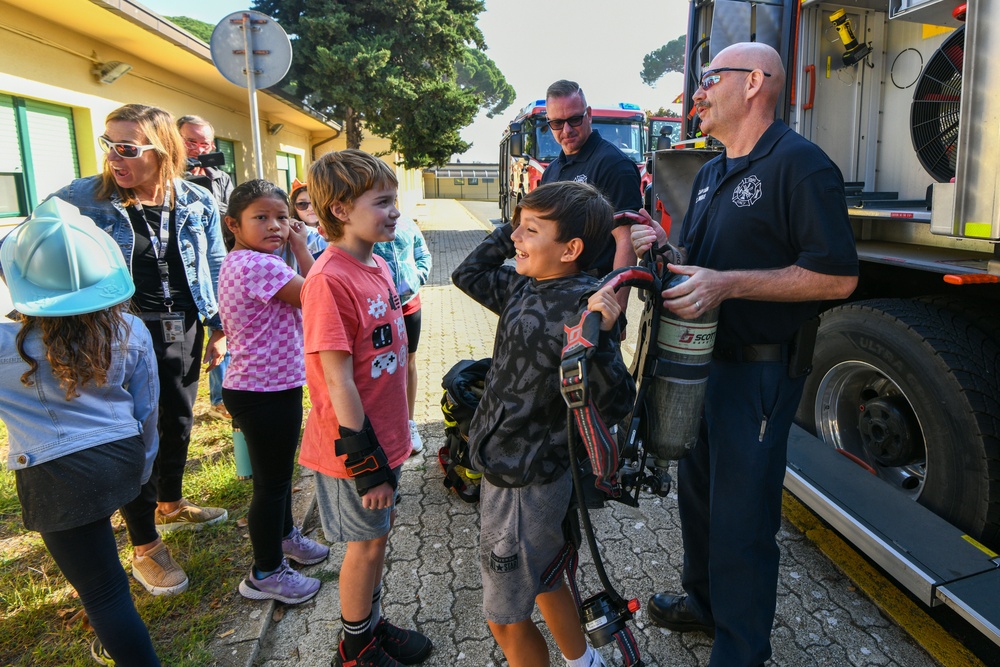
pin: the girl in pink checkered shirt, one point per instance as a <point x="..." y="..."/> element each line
<point x="261" y="314"/>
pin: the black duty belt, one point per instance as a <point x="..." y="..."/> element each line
<point x="745" y="353"/>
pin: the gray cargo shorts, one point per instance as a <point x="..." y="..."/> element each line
<point x="520" y="536"/>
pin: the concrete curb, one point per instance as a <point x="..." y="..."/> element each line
<point x="239" y="640"/>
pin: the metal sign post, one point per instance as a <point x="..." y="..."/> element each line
<point x="251" y="73"/>
<point x="251" y="51"/>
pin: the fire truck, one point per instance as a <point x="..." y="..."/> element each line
<point x="899" y="445"/>
<point x="664" y="132"/>
<point x="527" y="146"/>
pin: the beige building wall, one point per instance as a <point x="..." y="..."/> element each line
<point x="49" y="49"/>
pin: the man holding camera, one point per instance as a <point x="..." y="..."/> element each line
<point x="199" y="139"/>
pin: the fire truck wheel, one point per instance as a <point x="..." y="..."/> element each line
<point x="910" y="388"/>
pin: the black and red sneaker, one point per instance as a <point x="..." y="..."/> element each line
<point x="407" y="647"/>
<point x="372" y="656"/>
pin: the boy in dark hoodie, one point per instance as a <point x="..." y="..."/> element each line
<point x="518" y="437"/>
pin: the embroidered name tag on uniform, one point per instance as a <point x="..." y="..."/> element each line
<point x="503" y="564"/>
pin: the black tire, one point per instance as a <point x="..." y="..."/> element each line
<point x="911" y="389"/>
<point x="981" y="312"/>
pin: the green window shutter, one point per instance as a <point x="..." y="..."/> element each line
<point x="12" y="194"/>
<point x="10" y="150"/>
<point x="51" y="138"/>
<point x="287" y="171"/>
<point x="227" y="148"/>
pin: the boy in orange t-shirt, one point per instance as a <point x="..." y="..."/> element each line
<point x="355" y="344"/>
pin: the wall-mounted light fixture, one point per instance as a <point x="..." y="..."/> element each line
<point x="110" y="71"/>
<point x="274" y="129"/>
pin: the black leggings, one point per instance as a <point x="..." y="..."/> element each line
<point x="412" y="323"/>
<point x="88" y="557"/>
<point x="270" y="422"/>
<point x="178" y="365"/>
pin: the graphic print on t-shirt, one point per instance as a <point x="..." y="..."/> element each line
<point x="387" y="362"/>
<point x="382" y="336"/>
<point x="376" y="306"/>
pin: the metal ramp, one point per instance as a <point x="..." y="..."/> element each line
<point x="928" y="556"/>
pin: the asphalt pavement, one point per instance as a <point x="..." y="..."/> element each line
<point x="432" y="580"/>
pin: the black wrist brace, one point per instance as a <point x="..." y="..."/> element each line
<point x="366" y="463"/>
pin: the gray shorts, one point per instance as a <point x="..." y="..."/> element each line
<point x="520" y="536"/>
<point x="343" y="517"/>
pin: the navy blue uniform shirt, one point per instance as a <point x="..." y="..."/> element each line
<point x="603" y="165"/>
<point x="781" y="205"/>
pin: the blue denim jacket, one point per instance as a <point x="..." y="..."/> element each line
<point x="199" y="234"/>
<point x="42" y="425"/>
<point x="408" y="258"/>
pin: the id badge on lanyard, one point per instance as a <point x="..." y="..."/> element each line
<point x="173" y="327"/>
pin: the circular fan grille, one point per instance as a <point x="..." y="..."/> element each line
<point x="936" y="103"/>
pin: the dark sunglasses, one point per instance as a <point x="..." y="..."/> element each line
<point x="711" y="77"/>
<point x="560" y="123"/>
<point x="303" y="205"/>
<point x="127" y="151"/>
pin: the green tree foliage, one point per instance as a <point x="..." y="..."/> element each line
<point x="480" y="74"/>
<point x="199" y="29"/>
<point x="662" y="112"/>
<point x="667" y="58"/>
<point x="394" y="66"/>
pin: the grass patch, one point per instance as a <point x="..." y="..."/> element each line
<point x="38" y="622"/>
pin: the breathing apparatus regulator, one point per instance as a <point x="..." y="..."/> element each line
<point x="671" y="372"/>
<point x="855" y="51"/>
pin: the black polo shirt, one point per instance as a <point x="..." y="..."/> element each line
<point x="781" y="205"/>
<point x="603" y="165"/>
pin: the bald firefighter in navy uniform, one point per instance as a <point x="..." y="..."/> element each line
<point x="766" y="238"/>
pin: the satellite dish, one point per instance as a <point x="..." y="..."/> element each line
<point x="270" y="49"/>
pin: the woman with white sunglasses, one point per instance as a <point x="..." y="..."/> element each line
<point x="169" y="233"/>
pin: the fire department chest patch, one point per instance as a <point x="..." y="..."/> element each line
<point x="747" y="192"/>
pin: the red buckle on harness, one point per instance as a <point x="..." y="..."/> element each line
<point x="369" y="464"/>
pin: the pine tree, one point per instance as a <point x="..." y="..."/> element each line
<point x="393" y="67"/>
<point x="667" y="58"/>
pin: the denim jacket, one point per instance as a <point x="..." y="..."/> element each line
<point x="199" y="234"/>
<point x="408" y="258"/>
<point x="42" y="425"/>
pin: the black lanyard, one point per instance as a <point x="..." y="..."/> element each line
<point x="160" y="238"/>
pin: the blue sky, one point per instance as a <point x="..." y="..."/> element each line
<point x="600" y="44"/>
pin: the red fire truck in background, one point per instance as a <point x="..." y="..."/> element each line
<point x="664" y="132"/>
<point x="527" y="147"/>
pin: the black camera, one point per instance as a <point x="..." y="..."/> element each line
<point x="215" y="159"/>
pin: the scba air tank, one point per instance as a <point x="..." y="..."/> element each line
<point x="675" y="399"/>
